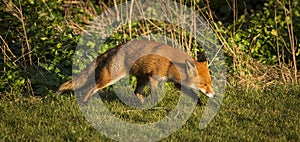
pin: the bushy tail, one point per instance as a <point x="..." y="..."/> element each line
<point x="80" y="80"/>
<point x="88" y="75"/>
<point x="65" y="87"/>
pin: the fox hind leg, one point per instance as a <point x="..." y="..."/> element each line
<point x="90" y="92"/>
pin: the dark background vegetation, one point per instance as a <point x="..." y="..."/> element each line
<point x="38" y="39"/>
<point x="260" y="39"/>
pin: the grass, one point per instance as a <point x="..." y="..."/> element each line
<point x="269" y="115"/>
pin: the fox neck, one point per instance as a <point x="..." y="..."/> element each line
<point x="179" y="75"/>
<point x="173" y="74"/>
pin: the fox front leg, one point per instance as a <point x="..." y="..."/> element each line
<point x="154" y="87"/>
<point x="189" y="92"/>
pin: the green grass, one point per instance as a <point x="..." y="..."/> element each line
<point x="269" y="115"/>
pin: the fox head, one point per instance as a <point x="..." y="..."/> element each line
<point x="198" y="77"/>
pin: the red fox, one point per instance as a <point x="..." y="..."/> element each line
<point x="150" y="62"/>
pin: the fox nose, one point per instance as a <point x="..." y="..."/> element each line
<point x="210" y="95"/>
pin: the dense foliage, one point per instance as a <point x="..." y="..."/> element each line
<point x="264" y="34"/>
<point x="51" y="46"/>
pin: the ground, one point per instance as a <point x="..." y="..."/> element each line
<point x="269" y="115"/>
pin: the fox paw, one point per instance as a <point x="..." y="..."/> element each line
<point x="140" y="97"/>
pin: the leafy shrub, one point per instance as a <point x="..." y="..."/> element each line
<point x="259" y="35"/>
<point x="52" y="43"/>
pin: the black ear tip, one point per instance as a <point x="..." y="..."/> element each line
<point x="201" y="57"/>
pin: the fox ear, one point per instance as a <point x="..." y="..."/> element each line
<point x="190" y="67"/>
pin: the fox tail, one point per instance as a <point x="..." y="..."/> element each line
<point x="79" y="81"/>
